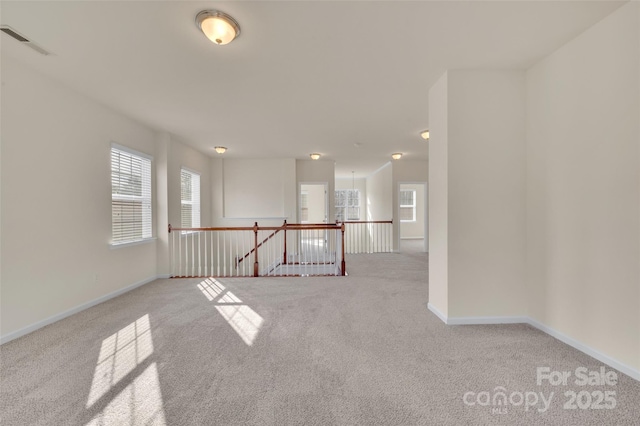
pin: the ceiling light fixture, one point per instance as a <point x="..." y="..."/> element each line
<point x="314" y="156"/>
<point x="396" y="156"/>
<point x="424" y="134"/>
<point x="219" y="27"/>
<point x="221" y="149"/>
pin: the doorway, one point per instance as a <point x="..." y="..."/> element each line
<point x="314" y="208"/>
<point x="313" y="203"/>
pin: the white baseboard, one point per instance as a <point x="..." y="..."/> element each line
<point x="605" y="359"/>
<point x="33" y="327"/>
<point x="439" y="314"/>
<point x="486" y="320"/>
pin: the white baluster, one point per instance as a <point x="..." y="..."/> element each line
<point x="172" y="253"/>
<point x="226" y="250"/>
<point x="218" y="252"/>
<point x="179" y="253"/>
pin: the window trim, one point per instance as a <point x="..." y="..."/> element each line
<point x="115" y="246"/>
<point x="412" y="206"/>
<point x="131" y="151"/>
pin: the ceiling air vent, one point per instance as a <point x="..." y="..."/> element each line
<point x="22" y="39"/>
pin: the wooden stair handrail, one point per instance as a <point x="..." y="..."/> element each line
<point x="284" y="227"/>
<point x="259" y="245"/>
<point x="265" y="228"/>
<point x="255" y="228"/>
<point x="339" y="226"/>
<point x="366" y="221"/>
<point x="232" y="228"/>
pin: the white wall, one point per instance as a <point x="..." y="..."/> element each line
<point x="484" y="191"/>
<point x="216" y="171"/>
<point x="56" y="200"/>
<point x="259" y="188"/>
<point x="317" y="171"/>
<point x="583" y="171"/>
<point x="163" y="142"/>
<point x="379" y="199"/>
<point x="405" y="170"/>
<point x="438" y="194"/>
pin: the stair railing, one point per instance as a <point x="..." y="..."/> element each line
<point x="373" y="236"/>
<point x="257" y="246"/>
<point x="287" y="250"/>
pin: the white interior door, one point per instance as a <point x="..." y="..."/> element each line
<point x="313" y="203"/>
<point x="313" y="209"/>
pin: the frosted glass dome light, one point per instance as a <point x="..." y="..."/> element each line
<point x="219" y="27"/>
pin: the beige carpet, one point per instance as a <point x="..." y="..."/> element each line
<point x="362" y="350"/>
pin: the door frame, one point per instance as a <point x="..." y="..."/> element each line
<point x="326" y="199"/>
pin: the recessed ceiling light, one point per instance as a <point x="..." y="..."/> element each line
<point x="314" y="156"/>
<point x="424" y="134"/>
<point x="219" y="27"/>
<point x="396" y="156"/>
<point x="221" y="149"/>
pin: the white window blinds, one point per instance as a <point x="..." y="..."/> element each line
<point x="407" y="205"/>
<point x="347" y="203"/>
<point x="190" y="198"/>
<point x="130" y="195"/>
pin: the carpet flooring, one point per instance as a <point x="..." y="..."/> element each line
<point x="356" y="350"/>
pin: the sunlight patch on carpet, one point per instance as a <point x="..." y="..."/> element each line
<point x="120" y="353"/>
<point x="229" y="298"/>
<point x="211" y="288"/>
<point x="242" y="319"/>
<point x="139" y="403"/>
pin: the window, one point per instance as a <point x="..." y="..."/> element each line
<point x="347" y="205"/>
<point x="407" y="205"/>
<point x="190" y="198"/>
<point x="130" y="195"/>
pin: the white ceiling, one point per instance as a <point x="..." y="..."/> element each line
<point x="302" y="77"/>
